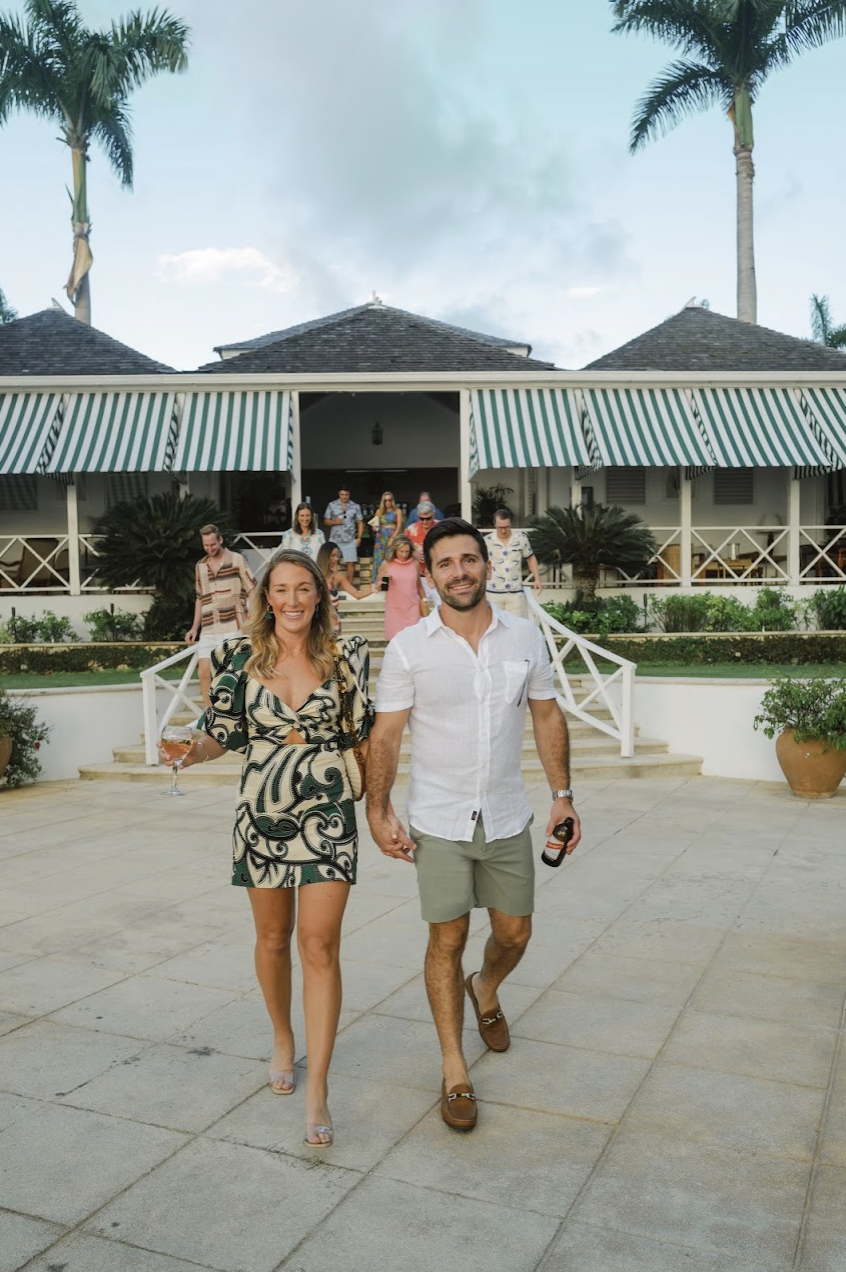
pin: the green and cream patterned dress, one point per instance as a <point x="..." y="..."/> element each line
<point x="295" y="817"/>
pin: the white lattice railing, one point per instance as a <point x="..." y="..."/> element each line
<point x="176" y="693"/>
<point x="745" y="554"/>
<point x="37" y="563"/>
<point x="578" y="699"/>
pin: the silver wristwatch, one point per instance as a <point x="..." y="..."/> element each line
<point x="567" y="793"/>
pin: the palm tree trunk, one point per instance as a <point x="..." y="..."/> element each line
<point x="586" y="584"/>
<point x="747" y="288"/>
<point x="78" y="287"/>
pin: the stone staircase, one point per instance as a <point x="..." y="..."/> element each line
<point x="593" y="754"/>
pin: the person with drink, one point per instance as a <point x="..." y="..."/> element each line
<point x="386" y="524"/>
<point x="304" y="535"/>
<point x="347" y="526"/>
<point x="399" y="578"/>
<point x="462" y="679"/>
<point x="222" y="584"/>
<point x="293" y="699"/>
<point x="329" y="563"/>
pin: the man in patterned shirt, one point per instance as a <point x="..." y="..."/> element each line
<point x="507" y="550"/>
<point x="223" y="585"/>
<point x="346" y="522"/>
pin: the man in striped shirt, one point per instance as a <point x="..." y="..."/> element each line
<point x="223" y="586"/>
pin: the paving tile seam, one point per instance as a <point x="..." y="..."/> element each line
<point x="822" y="1127"/>
<point x="671" y="1245"/>
<point x="102" y="1236"/>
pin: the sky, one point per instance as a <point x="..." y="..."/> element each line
<point x="463" y="159"/>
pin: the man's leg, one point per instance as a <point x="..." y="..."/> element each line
<point x="504" y="948"/>
<point x="445" y="988"/>
<point x="204" y="677"/>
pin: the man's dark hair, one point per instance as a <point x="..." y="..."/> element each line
<point x="502" y="514"/>
<point x="448" y="529"/>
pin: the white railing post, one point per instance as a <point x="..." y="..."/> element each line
<point x="627" y="712"/>
<point x="151" y="682"/>
<point x="74" y="579"/>
<point x="794" y="501"/>
<point x="686" y="530"/>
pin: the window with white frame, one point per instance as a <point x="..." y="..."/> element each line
<point x="625" y="485"/>
<point x="734" y="485"/>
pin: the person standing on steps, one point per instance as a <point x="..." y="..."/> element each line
<point x="223" y="584"/>
<point x="462" y="679"/>
<point x="508" y="550"/>
<point x="346" y="522"/>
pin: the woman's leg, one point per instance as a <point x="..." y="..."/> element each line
<point x="274" y="910"/>
<point x="321" y="910"/>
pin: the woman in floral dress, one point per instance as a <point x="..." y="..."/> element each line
<point x="389" y="526"/>
<point x="276" y="698"/>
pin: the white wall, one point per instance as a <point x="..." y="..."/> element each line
<point x="87" y="724"/>
<point x="417" y="431"/>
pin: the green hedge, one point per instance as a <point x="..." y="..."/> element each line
<point x="702" y="648"/>
<point x="46" y="659"/>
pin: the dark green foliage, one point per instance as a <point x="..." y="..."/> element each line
<point x="773" y="611"/>
<point x="680" y="613"/>
<point x="829" y="607"/>
<point x="588" y="539"/>
<point x="46" y="659"/>
<point x="813" y="709"/>
<point x="7" y="313"/>
<point x="762" y="648"/>
<point x="598" y="617"/>
<point x="49" y="627"/>
<point x="169" y="617"/>
<point x="112" y="624"/>
<point x="155" y="542"/>
<point x="18" y="720"/>
<point x="486" y="500"/>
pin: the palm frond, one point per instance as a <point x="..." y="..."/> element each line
<point x="114" y="134"/>
<point x="820" y="318"/>
<point x="589" y="538"/>
<point x="685" y="88"/>
<point x="811" y="23"/>
<point x="149" y="43"/>
<point x="688" y="25"/>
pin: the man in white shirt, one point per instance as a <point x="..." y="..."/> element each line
<point x="507" y="550"/>
<point x="462" y="679"/>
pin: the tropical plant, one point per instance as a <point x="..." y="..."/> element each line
<point x="823" y="328"/>
<point x="155" y="542"/>
<point x="600" y="617"/>
<point x="111" y="624"/>
<point x="54" y="66"/>
<point x="813" y="709"/>
<point x="7" y="313"/>
<point x="727" y="48"/>
<point x="773" y="611"/>
<point x="828" y="607"/>
<point x="47" y="628"/>
<point x="588" y="539"/>
<point x="680" y="613"/>
<point x="19" y="721"/>
<point x="486" y="500"/>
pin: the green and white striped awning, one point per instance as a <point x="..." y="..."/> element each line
<point x="646" y="427"/>
<point x="758" y="428"/>
<point x="827" y="411"/>
<point x="29" y="424"/>
<point x="116" y="433"/>
<point x="236" y="432"/>
<point x="526" y="428"/>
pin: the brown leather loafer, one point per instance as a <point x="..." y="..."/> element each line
<point x="458" y="1106"/>
<point x="493" y="1029"/>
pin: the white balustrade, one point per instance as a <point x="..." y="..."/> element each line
<point x="178" y="696"/>
<point x="578" y="699"/>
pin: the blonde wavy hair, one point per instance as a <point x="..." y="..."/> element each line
<point x="262" y="626"/>
<point x="389" y="494"/>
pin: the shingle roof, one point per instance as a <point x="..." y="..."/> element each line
<point x="697" y="339"/>
<point x="51" y="342"/>
<point x="315" y="324"/>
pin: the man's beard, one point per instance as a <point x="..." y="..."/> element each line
<point x="467" y="600"/>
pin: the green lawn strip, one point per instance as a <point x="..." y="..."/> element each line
<point x="724" y="671"/>
<point x="81" y="679"/>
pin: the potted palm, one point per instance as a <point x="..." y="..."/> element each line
<point x="588" y="539"/>
<point x="809" y="717"/>
<point x="20" y="740"/>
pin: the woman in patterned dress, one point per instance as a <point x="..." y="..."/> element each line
<point x="295" y="817"/>
<point x="389" y="518"/>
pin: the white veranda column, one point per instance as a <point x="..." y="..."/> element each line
<point x="794" y="500"/>
<point x="74" y="578"/>
<point x="465" y="485"/>
<point x="685" y="535"/>
<point x="296" y="460"/>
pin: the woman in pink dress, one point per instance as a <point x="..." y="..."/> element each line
<point x="404" y="598"/>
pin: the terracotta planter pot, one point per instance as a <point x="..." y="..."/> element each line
<point x="811" y="771"/>
<point x="5" y="752"/>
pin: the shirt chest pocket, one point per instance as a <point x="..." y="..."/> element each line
<point x="516" y="680"/>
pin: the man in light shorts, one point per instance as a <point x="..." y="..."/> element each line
<point x="462" y="679"/>
<point x="508" y="549"/>
<point x="223" y="584"/>
<point x="346" y="522"/>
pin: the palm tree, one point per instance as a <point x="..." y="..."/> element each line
<point x="823" y="329"/>
<point x="588" y="539"/>
<point x="52" y="65"/>
<point x="728" y="48"/>
<point x="7" y="313"/>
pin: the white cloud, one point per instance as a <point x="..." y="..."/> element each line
<point x="206" y="265"/>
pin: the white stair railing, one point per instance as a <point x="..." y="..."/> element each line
<point x="178" y="696"/>
<point x="597" y="692"/>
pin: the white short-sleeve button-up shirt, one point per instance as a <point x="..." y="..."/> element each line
<point x="467" y="718"/>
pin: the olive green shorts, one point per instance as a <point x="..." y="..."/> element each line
<point x="456" y="876"/>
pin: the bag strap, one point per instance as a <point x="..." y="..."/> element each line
<point x="343" y="692"/>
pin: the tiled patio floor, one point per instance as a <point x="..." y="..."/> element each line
<point x="674" y="1098"/>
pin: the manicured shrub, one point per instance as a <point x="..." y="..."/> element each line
<point x="828" y="607"/>
<point x="112" y="624"/>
